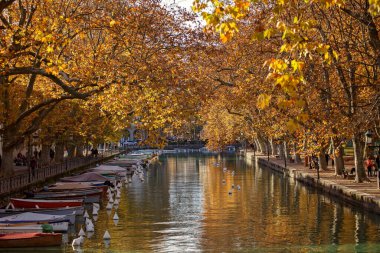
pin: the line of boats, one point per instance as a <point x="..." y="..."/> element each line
<point x="40" y="219"/>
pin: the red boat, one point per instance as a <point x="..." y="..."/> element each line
<point x="22" y="240"/>
<point x="43" y="203"/>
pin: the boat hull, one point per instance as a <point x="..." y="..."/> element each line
<point x="53" y="211"/>
<point x="35" y="203"/>
<point x="88" y="196"/>
<point x="30" y="240"/>
<point x="32" y="227"/>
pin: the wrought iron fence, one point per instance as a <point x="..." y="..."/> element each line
<point x="14" y="183"/>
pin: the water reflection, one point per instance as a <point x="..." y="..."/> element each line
<point x="183" y="205"/>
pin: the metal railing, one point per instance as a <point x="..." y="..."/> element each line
<point x="15" y="183"/>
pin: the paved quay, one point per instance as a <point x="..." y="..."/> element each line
<point x="365" y="195"/>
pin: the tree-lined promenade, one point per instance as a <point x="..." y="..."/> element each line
<point x="287" y="76"/>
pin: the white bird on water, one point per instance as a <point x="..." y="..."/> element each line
<point x="224" y="169"/>
<point x="78" y="241"/>
<point x="238" y="187"/>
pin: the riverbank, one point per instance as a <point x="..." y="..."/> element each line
<point x="365" y="195"/>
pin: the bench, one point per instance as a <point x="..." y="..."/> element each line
<point x="350" y="175"/>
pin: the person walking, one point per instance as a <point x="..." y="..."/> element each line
<point x="33" y="166"/>
<point x="369" y="165"/>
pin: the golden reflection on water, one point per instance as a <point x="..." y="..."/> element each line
<point x="184" y="206"/>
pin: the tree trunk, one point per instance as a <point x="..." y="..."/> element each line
<point x="7" y="164"/>
<point x="261" y="145"/>
<point x="338" y="160"/>
<point x="71" y="151"/>
<point x="297" y="156"/>
<point x="322" y="160"/>
<point x="59" y="152"/>
<point x="281" y="150"/>
<point x="80" y="150"/>
<point x="286" y="150"/>
<point x="358" y="153"/>
<point x="274" y="148"/>
<point x="45" y="154"/>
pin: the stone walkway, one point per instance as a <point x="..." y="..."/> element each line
<point x="365" y="194"/>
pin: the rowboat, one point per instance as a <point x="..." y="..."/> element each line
<point x="110" y="170"/>
<point x="88" y="195"/>
<point x="70" y="186"/>
<point x="78" y="210"/>
<point x="23" y="240"/>
<point x="85" y="177"/>
<point x="26" y="216"/>
<point x="32" y="227"/>
<point x="41" y="203"/>
<point x="32" y="217"/>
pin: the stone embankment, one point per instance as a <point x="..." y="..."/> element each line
<point x="365" y="195"/>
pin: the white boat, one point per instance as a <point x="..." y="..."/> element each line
<point x="78" y="210"/>
<point x="70" y="214"/>
<point x="28" y="217"/>
<point x="109" y="169"/>
<point x="32" y="227"/>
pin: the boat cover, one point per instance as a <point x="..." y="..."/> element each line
<point x="85" y="177"/>
<point x="31" y="217"/>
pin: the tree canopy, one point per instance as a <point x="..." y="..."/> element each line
<point x="297" y="74"/>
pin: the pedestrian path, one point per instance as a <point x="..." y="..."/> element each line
<point x="365" y="194"/>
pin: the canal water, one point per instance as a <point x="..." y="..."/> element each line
<point x="184" y="205"/>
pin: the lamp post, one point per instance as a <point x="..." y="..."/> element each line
<point x="268" y="148"/>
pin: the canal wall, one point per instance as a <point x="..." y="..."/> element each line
<point x="352" y="196"/>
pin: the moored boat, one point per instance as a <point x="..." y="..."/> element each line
<point x="42" y="203"/>
<point x="33" y="217"/>
<point x="32" y="227"/>
<point x="26" y="216"/>
<point x="88" y="195"/>
<point x="110" y="170"/>
<point x="77" y="210"/>
<point x="70" y="186"/>
<point x="85" y="177"/>
<point x="22" y="240"/>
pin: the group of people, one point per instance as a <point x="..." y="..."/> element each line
<point x="20" y="160"/>
<point x="372" y="165"/>
<point x="94" y="152"/>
